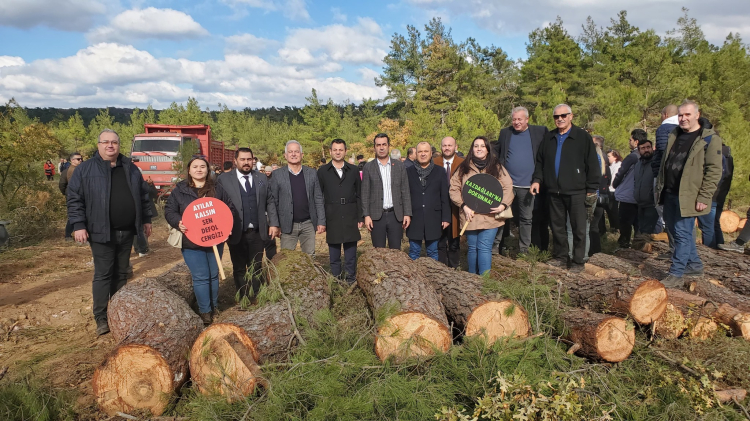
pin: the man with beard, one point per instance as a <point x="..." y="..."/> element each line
<point x="430" y="202"/>
<point x="643" y="190"/>
<point x="449" y="243"/>
<point x="250" y="193"/>
<point x="341" y="188"/>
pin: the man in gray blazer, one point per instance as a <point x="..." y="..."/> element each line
<point x="299" y="201"/>
<point x="251" y="195"/>
<point x="386" y="200"/>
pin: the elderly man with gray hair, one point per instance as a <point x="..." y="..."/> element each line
<point x="516" y="150"/>
<point x="298" y="200"/>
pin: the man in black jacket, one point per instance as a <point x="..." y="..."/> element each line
<point x="567" y="165"/>
<point x="108" y="204"/>
<point x="75" y="160"/>
<point x="516" y="150"/>
<point x="341" y="187"/>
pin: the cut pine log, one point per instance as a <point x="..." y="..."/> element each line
<point x="599" y="336"/>
<point x="414" y="323"/>
<point x="719" y="294"/>
<point x="469" y="308"/>
<point x="738" y="322"/>
<point x="686" y="312"/>
<point x="729" y="221"/>
<point x="178" y="280"/>
<point x="741" y="224"/>
<point x="627" y="267"/>
<point x="155" y="329"/>
<point x="225" y="358"/>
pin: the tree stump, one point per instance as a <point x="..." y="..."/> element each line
<point x="469" y="308"/>
<point x="729" y="221"/>
<point x="155" y="329"/>
<point x="225" y="358"/>
<point x="414" y="323"/>
<point x="738" y="322"/>
<point x="599" y="336"/>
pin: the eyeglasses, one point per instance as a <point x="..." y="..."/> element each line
<point x="77" y="159"/>
<point x="109" y="142"/>
<point x="557" y="116"/>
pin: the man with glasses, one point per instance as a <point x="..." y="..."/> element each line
<point x="568" y="167"/>
<point x="75" y="159"/>
<point x="108" y="205"/>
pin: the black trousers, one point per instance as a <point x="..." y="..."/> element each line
<point x="595" y="233"/>
<point x="448" y="248"/>
<point x="628" y="215"/>
<point x="270" y="247"/>
<point x="647" y="219"/>
<point x="387" y="227"/>
<point x="111" y="262"/>
<point x="562" y="206"/>
<point x="350" y="261"/>
<point x="540" y="222"/>
<point x="613" y="211"/>
<point x="247" y="261"/>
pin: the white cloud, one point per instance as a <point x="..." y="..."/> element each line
<point x="148" y="23"/>
<point x="247" y="44"/>
<point x="108" y="74"/>
<point x="68" y="15"/>
<point x="337" y="15"/>
<point x="361" y="43"/>
<point x="520" y="18"/>
<point x="292" y="9"/>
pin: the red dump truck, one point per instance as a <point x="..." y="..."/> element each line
<point x="154" y="151"/>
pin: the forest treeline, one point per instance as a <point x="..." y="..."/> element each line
<point x="616" y="78"/>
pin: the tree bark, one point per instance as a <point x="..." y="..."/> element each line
<point x="627" y="267"/>
<point x="155" y="329"/>
<point x="601" y="337"/>
<point x="414" y="320"/>
<point x="225" y="358"/>
<point x="471" y="310"/>
<point x="178" y="280"/>
<point x="738" y="321"/>
<point x="719" y="294"/>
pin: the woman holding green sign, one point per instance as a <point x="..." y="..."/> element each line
<point x="481" y="229"/>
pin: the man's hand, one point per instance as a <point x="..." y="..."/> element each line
<point x="81" y="236"/>
<point x="407" y="221"/>
<point x="534" y="188"/>
<point x="321" y="229"/>
<point x="360" y="225"/>
<point x="368" y="223"/>
<point x="147" y="229"/>
<point x="700" y="207"/>
<point x="446" y="224"/>
<point x="274" y="232"/>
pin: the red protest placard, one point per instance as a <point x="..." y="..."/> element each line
<point x="208" y="221"/>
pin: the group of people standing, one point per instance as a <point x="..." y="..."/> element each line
<point x="558" y="179"/>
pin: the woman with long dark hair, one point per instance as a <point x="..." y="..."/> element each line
<point x="480" y="233"/>
<point x="613" y="212"/>
<point x="49" y="170"/>
<point x="200" y="260"/>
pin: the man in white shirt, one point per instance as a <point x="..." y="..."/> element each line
<point x="448" y="246"/>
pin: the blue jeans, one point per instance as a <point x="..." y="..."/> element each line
<point x="707" y="224"/>
<point x="205" y="273"/>
<point x="480" y="249"/>
<point x="415" y="249"/>
<point x="685" y="253"/>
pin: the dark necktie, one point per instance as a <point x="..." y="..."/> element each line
<point x="247" y="182"/>
<point x="448" y="170"/>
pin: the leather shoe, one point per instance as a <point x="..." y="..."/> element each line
<point x="102" y="327"/>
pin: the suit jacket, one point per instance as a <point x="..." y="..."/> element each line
<point x="501" y="147"/>
<point x="231" y="185"/>
<point x="455" y="216"/>
<point x="372" y="190"/>
<point x="431" y="204"/>
<point x="342" y="202"/>
<point x="281" y="191"/>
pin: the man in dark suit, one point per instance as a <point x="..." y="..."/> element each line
<point x="516" y="150"/>
<point x="431" y="207"/>
<point x="250" y="193"/>
<point x="567" y="164"/>
<point x="450" y="241"/>
<point x="386" y="202"/>
<point x="298" y="200"/>
<point x="341" y="188"/>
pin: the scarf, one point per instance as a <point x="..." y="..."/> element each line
<point x="424" y="172"/>
<point x="480" y="163"/>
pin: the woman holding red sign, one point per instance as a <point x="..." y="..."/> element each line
<point x="200" y="260"/>
<point x="480" y="233"/>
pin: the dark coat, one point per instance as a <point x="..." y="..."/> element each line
<point x="179" y="200"/>
<point x="643" y="182"/>
<point x="537" y="133"/>
<point x="88" y="197"/>
<point x="343" y="203"/>
<point x="231" y="185"/>
<point x="430" y="205"/>
<point x="457" y="160"/>
<point x="579" y="168"/>
<point x="662" y="136"/>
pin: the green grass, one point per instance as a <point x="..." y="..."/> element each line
<point x="24" y="400"/>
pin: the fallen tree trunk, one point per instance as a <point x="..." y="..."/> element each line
<point x="738" y="322"/>
<point x="470" y="309"/>
<point x="628" y="267"/>
<point x="414" y="323"/>
<point x="599" y="336"/>
<point x="155" y="329"/>
<point x="178" y="280"/>
<point x="687" y="312"/>
<point x="719" y="294"/>
<point x="225" y="358"/>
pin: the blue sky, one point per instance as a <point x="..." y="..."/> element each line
<point x="260" y="53"/>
